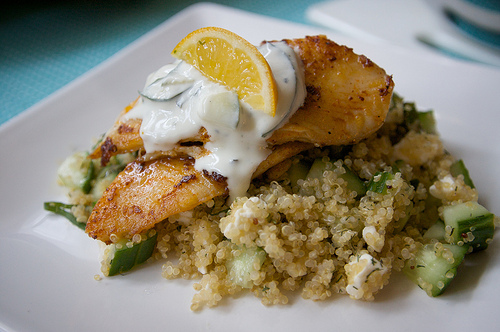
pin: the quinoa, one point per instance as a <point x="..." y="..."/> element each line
<point x="316" y="235"/>
<point x="310" y="234"/>
<point x="315" y="231"/>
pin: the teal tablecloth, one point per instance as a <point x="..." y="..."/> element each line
<point x="46" y="44"/>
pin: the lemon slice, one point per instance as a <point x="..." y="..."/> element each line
<point x="228" y="59"/>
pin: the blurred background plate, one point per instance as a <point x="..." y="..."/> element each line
<point x="457" y="28"/>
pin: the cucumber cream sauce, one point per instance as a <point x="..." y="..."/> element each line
<point x="178" y="100"/>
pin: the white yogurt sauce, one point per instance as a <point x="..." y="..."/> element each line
<point x="178" y="100"/>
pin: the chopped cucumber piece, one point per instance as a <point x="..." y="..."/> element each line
<point x="65" y="211"/>
<point x="410" y="113"/>
<point x="76" y="172"/>
<point x="419" y="120"/>
<point x="101" y="184"/>
<point x="80" y="172"/>
<point x="107" y="174"/>
<point x="378" y="183"/>
<point x="125" y="258"/>
<point x="221" y="108"/>
<point x="436" y="231"/>
<point x="115" y="165"/>
<point x="104" y="179"/>
<point x="395" y="100"/>
<point x="168" y="87"/>
<point x="401" y="223"/>
<point x="397" y="165"/>
<point x="354" y="183"/>
<point x="471" y="224"/>
<point x="427" y="122"/>
<point x="458" y="168"/>
<point x="241" y="267"/>
<point x="317" y="169"/>
<point x="298" y="171"/>
<point x="434" y="272"/>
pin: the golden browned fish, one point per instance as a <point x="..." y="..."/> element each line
<point x="124" y="136"/>
<point x="146" y="193"/>
<point x="347" y="100"/>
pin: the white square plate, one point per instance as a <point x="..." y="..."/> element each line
<point x="47" y="266"/>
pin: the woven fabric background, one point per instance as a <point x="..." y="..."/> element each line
<point x="44" y="45"/>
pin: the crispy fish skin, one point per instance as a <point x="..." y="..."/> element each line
<point x="146" y="193"/>
<point x="124" y="136"/>
<point x="347" y="98"/>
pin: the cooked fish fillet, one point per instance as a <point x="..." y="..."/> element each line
<point x="146" y="193"/>
<point x="280" y="153"/>
<point x="124" y="136"/>
<point x="347" y="100"/>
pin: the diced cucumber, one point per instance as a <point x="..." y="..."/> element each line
<point x="80" y="172"/>
<point x="125" y="258"/>
<point x="76" y="172"/>
<point x="169" y="86"/>
<point x="419" y="120"/>
<point x="354" y="183"/>
<point x="431" y="271"/>
<point x="410" y="113"/>
<point x="397" y="165"/>
<point x="401" y="223"/>
<point x="298" y="171"/>
<point x="221" y="108"/>
<point x="436" y="231"/>
<point x="240" y="267"/>
<point x="101" y="183"/>
<point x="378" y="184"/>
<point x="396" y="100"/>
<point x="432" y="202"/>
<point x="458" y="168"/>
<point x="471" y="224"/>
<point x="317" y="169"/>
<point x="427" y="122"/>
<point x="65" y="211"/>
<point x="107" y="174"/>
